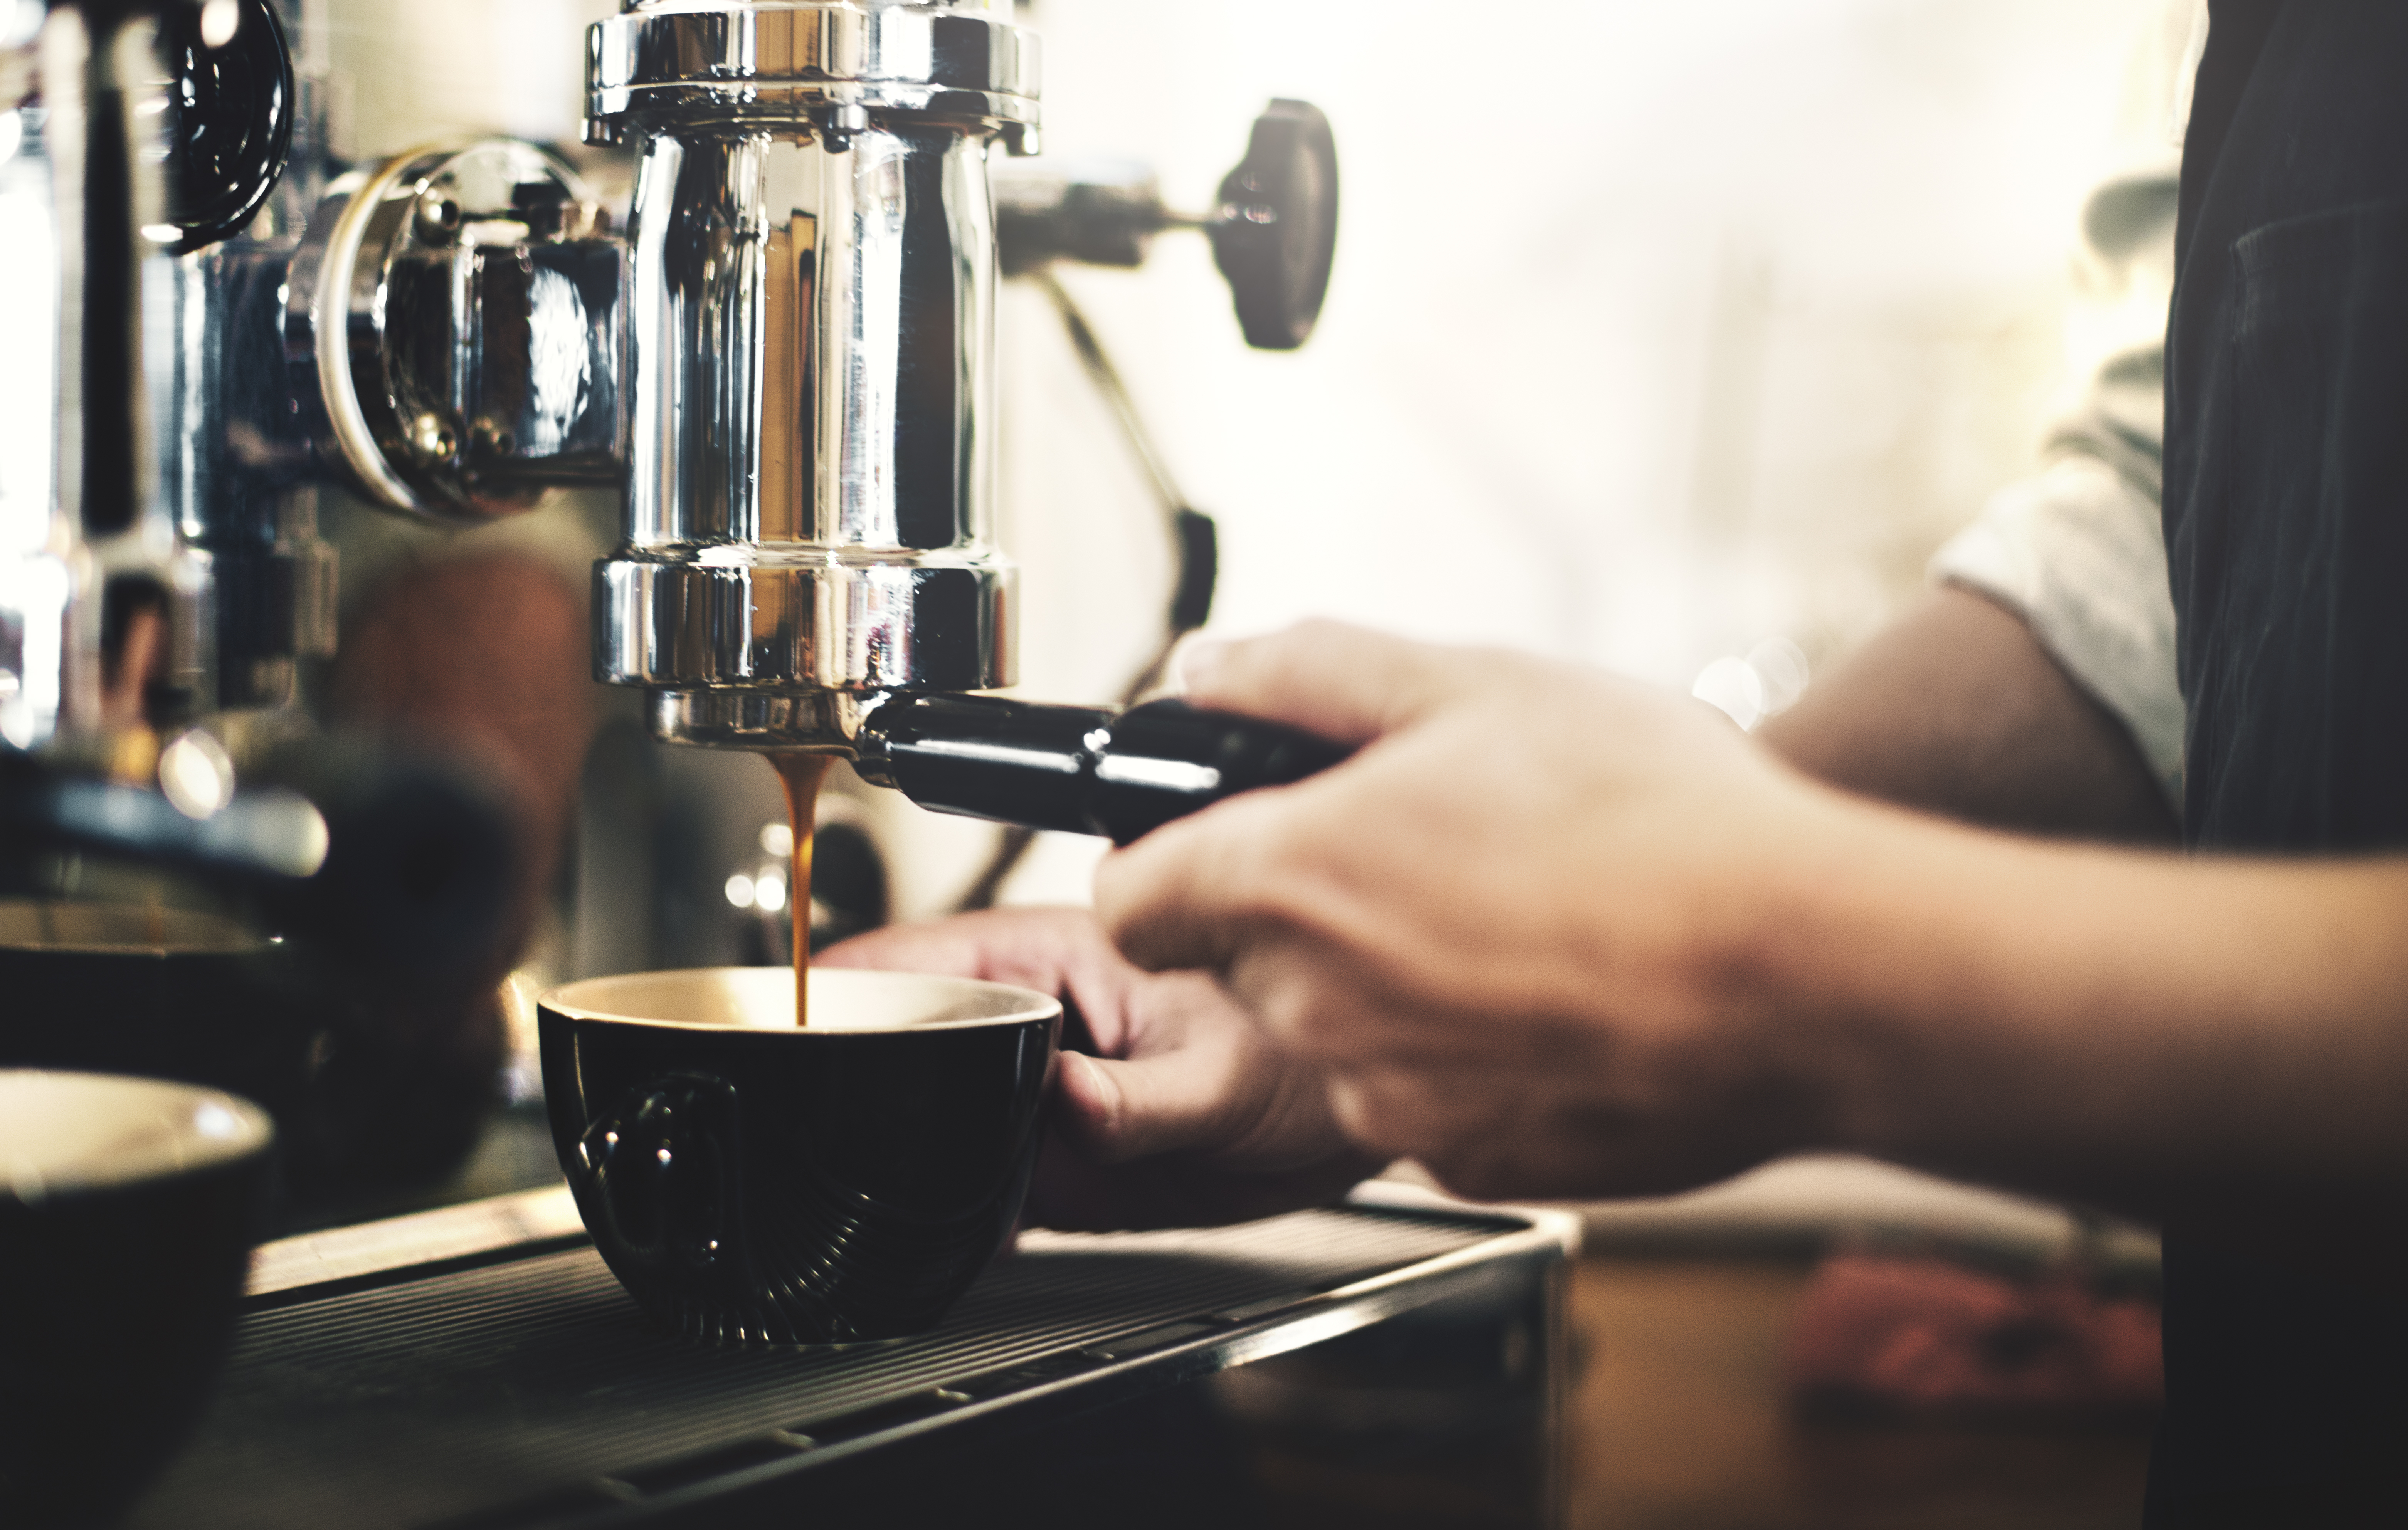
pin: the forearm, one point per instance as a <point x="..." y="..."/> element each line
<point x="2162" y="1036"/>
<point x="1955" y="708"/>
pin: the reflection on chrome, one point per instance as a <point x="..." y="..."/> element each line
<point x="810" y="372"/>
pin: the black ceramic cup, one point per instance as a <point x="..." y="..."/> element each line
<point x="371" y="1088"/>
<point x="752" y="1183"/>
<point x="128" y="1207"/>
<point x="157" y="992"/>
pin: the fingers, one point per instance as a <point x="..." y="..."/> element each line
<point x="1060" y="951"/>
<point x="1461" y="1130"/>
<point x="1198" y="1080"/>
<point x="1345" y="683"/>
<point x="1177" y="1102"/>
<point x="1184" y="895"/>
<point x="1035" y="948"/>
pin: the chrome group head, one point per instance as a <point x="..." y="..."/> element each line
<point x="810" y="378"/>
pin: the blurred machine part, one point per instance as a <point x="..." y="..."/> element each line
<point x="162" y="586"/>
<point x="159" y="561"/>
<point x="812" y="420"/>
<point x="1273" y="227"/>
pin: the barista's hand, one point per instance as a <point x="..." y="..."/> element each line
<point x="1183" y="1115"/>
<point x="1510" y="927"/>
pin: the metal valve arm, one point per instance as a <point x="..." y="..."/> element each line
<point x="1273" y="227"/>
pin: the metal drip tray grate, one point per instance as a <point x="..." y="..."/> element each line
<point x="534" y="1390"/>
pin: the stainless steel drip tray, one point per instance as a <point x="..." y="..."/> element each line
<point x="478" y="1367"/>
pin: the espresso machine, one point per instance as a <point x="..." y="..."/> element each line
<point x="784" y="360"/>
<point x="782" y="354"/>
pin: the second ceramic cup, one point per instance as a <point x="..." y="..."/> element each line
<point x="750" y="1181"/>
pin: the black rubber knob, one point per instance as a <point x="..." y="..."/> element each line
<point x="229" y="120"/>
<point x="1277" y="229"/>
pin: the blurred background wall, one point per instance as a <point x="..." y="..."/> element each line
<point x="1657" y="330"/>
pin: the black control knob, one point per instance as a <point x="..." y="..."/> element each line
<point x="1277" y="232"/>
<point x="229" y="118"/>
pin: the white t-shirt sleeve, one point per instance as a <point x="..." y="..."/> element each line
<point x="2079" y="553"/>
<point x="2078" y="549"/>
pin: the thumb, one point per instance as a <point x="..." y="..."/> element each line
<point x="1116" y="1112"/>
<point x="1345" y="683"/>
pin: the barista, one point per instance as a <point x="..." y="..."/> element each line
<point x="1650" y="952"/>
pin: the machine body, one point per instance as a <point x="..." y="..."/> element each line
<point x="163" y="193"/>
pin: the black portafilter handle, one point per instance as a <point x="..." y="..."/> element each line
<point x="1079" y="769"/>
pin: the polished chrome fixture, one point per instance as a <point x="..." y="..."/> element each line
<point x="452" y="329"/>
<point x="158" y="550"/>
<point x="814" y="253"/>
<point x="203" y="331"/>
<point x="811" y="382"/>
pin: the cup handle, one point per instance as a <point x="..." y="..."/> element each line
<point x="660" y="1169"/>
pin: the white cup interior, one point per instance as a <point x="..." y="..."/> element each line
<point x="65" y="1132"/>
<point x="763" y="999"/>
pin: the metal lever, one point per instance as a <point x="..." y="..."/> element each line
<point x="1274" y="228"/>
<point x="1078" y="769"/>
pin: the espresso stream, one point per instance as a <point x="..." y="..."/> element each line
<point x="802" y="775"/>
